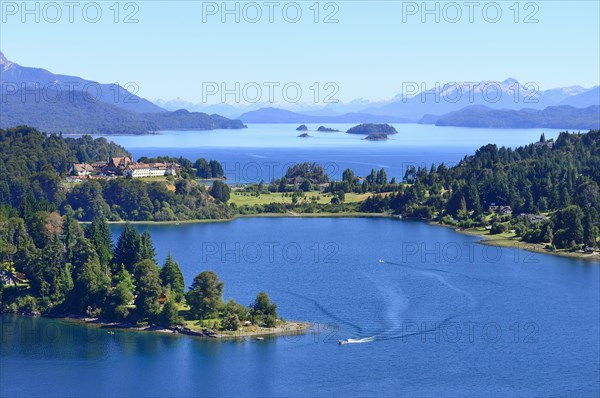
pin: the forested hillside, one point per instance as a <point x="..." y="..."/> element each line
<point x="31" y="163"/>
<point x="75" y="114"/>
<point x="559" y="179"/>
<point x="33" y="167"/>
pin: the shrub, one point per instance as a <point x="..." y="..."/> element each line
<point x="230" y="322"/>
<point x="497" y="228"/>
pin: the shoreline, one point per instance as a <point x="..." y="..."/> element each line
<point x="511" y="243"/>
<point x="258" y="215"/>
<point x="485" y="239"/>
<point x="289" y="328"/>
<point x="490" y="240"/>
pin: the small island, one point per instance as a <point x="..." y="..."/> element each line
<point x="369" y="128"/>
<point x="377" y="137"/>
<point x="302" y="127"/>
<point x="304" y="135"/>
<point x="324" y="129"/>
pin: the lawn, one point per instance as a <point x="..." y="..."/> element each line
<point x="240" y="198"/>
<point x="244" y="330"/>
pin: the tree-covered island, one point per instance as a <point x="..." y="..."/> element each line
<point x="372" y="128"/>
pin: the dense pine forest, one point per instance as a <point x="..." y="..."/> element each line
<point x="53" y="265"/>
<point x="546" y="192"/>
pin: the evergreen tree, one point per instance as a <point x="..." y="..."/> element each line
<point x="81" y="253"/>
<point x="348" y="176"/>
<point x="590" y="231"/>
<point x="147" y="251"/>
<point x="52" y="279"/>
<point x="124" y="277"/>
<point x="382" y="177"/>
<point x="220" y="191"/>
<point x="148" y="289"/>
<point x="72" y="234"/>
<point x="169" y="316"/>
<point x="171" y="276"/>
<point x="568" y="226"/>
<point x="203" y="170"/>
<point x="372" y="178"/>
<point x="116" y="304"/>
<point x="99" y="234"/>
<point x="91" y="287"/>
<point x="127" y="249"/>
<point x="282" y="186"/>
<point x="262" y="311"/>
<point x="215" y="169"/>
<point x="565" y="197"/>
<point x="456" y="204"/>
<point x="364" y="186"/>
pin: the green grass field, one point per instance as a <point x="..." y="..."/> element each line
<point x="239" y="199"/>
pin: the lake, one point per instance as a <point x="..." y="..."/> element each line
<point x="433" y="314"/>
<point x="265" y="151"/>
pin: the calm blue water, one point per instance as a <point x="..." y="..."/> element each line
<point x="439" y="316"/>
<point x="265" y="151"/>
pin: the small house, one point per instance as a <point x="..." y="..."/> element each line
<point x="81" y="169"/>
<point x="500" y="209"/>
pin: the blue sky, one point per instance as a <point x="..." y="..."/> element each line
<point x="368" y="53"/>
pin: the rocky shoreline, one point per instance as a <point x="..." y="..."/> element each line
<point x="286" y="329"/>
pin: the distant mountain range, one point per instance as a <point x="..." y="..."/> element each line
<point x="237" y="109"/>
<point x="508" y="94"/>
<point x="275" y="115"/>
<point x="443" y="99"/>
<point x="559" y="117"/>
<point x="70" y="104"/>
<point x="584" y="99"/>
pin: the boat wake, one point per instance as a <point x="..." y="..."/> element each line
<point x="358" y="330"/>
<point x="398" y="302"/>
<point x="402" y="303"/>
<point x="445" y="271"/>
<point x="358" y="341"/>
